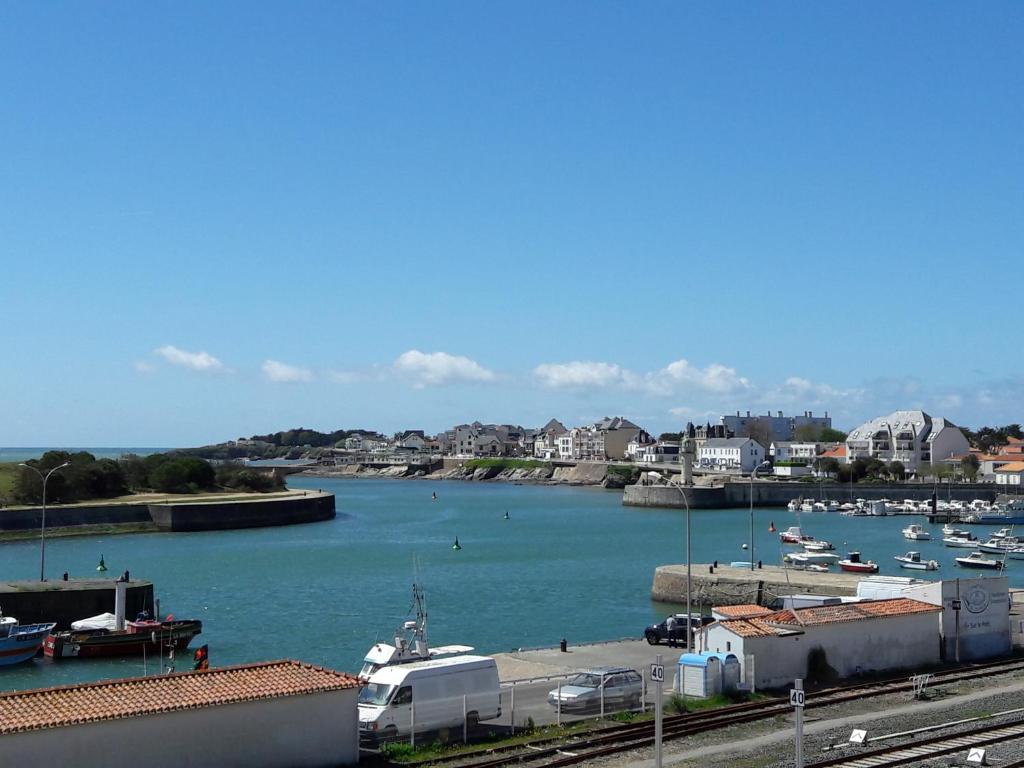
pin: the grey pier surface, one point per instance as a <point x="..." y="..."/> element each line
<point x="33" y="602"/>
<point x="726" y="585"/>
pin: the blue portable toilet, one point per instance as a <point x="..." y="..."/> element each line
<point x="707" y="674"/>
<point x="700" y="674"/>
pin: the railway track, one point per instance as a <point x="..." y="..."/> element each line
<point x="926" y="749"/>
<point x="556" y="752"/>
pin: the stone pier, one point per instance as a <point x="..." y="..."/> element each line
<point x="725" y="585"/>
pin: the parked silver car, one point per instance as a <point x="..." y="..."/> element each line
<point x="622" y="688"/>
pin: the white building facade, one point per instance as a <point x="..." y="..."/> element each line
<point x="912" y="438"/>
<point x="735" y="454"/>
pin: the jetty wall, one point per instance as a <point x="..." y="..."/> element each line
<point x="312" y="507"/>
<point x="725" y="585"/>
<point x="61" y="601"/>
<point x="82" y="514"/>
<point x="731" y="495"/>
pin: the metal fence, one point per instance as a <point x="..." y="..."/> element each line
<point x="517" y="706"/>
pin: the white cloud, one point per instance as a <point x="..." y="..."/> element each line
<point x="197" y="361"/>
<point x="282" y="372"/>
<point x="435" y="368"/>
<point x="141" y="366"/>
<point x="681" y="374"/>
<point x="580" y="374"/>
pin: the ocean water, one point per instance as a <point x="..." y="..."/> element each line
<point x="570" y="562"/>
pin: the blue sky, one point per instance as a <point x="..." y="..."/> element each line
<point x="220" y="219"/>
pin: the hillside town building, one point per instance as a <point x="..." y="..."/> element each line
<point x="910" y="437"/>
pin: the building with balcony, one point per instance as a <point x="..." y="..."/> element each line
<point x="912" y="438"/>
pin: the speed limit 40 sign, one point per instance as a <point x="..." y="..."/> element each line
<point x="658" y="673"/>
<point x="796" y="697"/>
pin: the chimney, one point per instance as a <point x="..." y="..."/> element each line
<point x="748" y="414"/>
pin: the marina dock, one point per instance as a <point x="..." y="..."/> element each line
<point x="726" y="585"/>
<point x="66" y="601"/>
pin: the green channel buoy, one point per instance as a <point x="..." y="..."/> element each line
<point x="102" y="566"/>
<point x="456" y="545"/>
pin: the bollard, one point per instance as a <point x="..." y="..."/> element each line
<point x="716" y="563"/>
<point x="563" y="646"/>
<point x="758" y="563"/>
<point x="711" y="569"/>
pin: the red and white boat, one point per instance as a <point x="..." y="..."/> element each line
<point x="137" y="638"/>
<point x="854" y="564"/>
<point x="792" y="535"/>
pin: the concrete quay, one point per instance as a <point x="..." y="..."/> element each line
<point x="772" y="493"/>
<point x="544" y="663"/>
<point x="34" y="602"/>
<point x="725" y="585"/>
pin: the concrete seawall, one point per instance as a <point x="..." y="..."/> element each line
<point x="85" y="514"/>
<point x="34" y="602"/>
<point x="726" y="585"/>
<point x="778" y="494"/>
<point x="311" y="507"/>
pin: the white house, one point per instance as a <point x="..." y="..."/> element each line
<point x="638" y="446"/>
<point x="1011" y="473"/>
<point x="281" y="713"/>
<point x="738" y="454"/>
<point x="910" y="437"/>
<point x="852" y="639"/>
<point x="661" y="452"/>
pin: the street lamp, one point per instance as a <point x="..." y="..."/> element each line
<point x="763" y="465"/>
<point x="689" y="587"/>
<point x="42" y="530"/>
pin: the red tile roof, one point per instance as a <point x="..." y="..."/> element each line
<point x="113" y="699"/>
<point x="749" y="628"/>
<point x="1011" y="466"/>
<point x="835" y="614"/>
<point x="741" y="611"/>
<point x="839" y="452"/>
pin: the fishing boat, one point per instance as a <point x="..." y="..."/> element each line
<point x="965" y="542"/>
<point x="913" y="561"/>
<point x="410" y="642"/>
<point x="979" y="560"/>
<point x="915" y="532"/>
<point x="794" y="505"/>
<point x="1002" y="533"/>
<point x="999" y="546"/>
<point x="949" y="530"/>
<point x="793" y="535"/>
<point x="20" y="642"/>
<point x="135" y="638"/>
<point x="854" y="564"/>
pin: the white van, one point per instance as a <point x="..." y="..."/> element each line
<point x="429" y="696"/>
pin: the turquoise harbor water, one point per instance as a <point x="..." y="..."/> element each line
<point x="570" y="562"/>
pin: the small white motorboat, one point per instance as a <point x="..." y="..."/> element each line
<point x="960" y="541"/>
<point x="792" y="535"/>
<point x="979" y="560"/>
<point x="949" y="530"/>
<point x="811" y="558"/>
<point x="854" y="564"/>
<point x="1002" y="533"/>
<point x="794" y="505"/>
<point x="818" y="545"/>
<point x="915" y="532"/>
<point x="913" y="561"/>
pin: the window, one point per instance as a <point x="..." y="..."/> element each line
<point x="404" y="696"/>
<point x="728" y="645"/>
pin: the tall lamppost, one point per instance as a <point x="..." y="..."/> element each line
<point x="763" y="465"/>
<point x="42" y="530"/>
<point x="689" y="581"/>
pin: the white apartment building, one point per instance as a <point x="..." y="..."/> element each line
<point x="1011" y="473"/>
<point x="783" y="450"/>
<point x="910" y="437"/>
<point x="739" y="454"/>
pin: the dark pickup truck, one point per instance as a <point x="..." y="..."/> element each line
<point x="659" y="633"/>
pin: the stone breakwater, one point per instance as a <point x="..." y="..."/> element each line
<point x="591" y="474"/>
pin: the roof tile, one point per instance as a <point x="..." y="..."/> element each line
<point x="108" y="700"/>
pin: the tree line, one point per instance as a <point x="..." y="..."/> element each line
<point x="86" y="477"/>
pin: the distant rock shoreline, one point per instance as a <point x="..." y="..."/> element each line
<point x="593" y="475"/>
